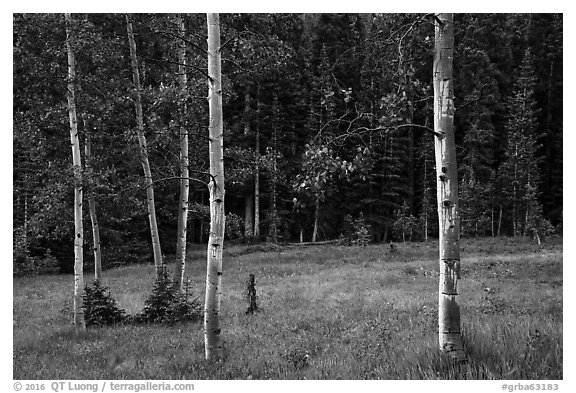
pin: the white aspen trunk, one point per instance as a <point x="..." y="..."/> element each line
<point x="77" y="163"/>
<point x="92" y="208"/>
<point x="449" y="330"/>
<point x="212" y="331"/>
<point x="180" y="268"/>
<point x="158" y="262"/>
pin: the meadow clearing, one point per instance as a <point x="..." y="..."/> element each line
<point x="327" y="312"/>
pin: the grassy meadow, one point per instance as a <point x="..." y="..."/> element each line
<point x="327" y="312"/>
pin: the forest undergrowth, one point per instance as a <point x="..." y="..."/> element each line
<point x="325" y="312"/>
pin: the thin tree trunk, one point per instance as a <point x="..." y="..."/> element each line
<point x="492" y="219"/>
<point x="180" y="268"/>
<point x="449" y="331"/>
<point x="158" y="262"/>
<point x="248" y="216"/>
<point x="201" y="230"/>
<point x="213" y="342"/>
<point x="92" y="208"/>
<point x="273" y="230"/>
<point x="515" y="228"/>
<point x="499" y="220"/>
<point x="248" y="200"/>
<point x="25" y="223"/>
<point x="316" y="218"/>
<point x="257" y="172"/>
<point x="77" y="163"/>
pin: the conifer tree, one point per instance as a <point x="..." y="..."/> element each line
<point x="520" y="170"/>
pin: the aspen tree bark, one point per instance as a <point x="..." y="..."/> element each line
<point x="158" y="262"/>
<point x="212" y="331"/>
<point x="449" y="331"/>
<point x="184" y="173"/>
<point x="77" y="163"/>
<point x="92" y="208"/>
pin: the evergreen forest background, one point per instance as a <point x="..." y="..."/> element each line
<point x="327" y="134"/>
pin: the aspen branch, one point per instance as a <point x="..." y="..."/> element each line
<point x="482" y="96"/>
<point x="237" y="65"/>
<point x="425" y="128"/>
<point x="176" y="178"/>
<point x="231" y="39"/>
<point x="168" y="33"/>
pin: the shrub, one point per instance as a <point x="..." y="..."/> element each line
<point x="405" y="223"/>
<point x="234" y="225"/>
<point x="167" y="305"/>
<point x="99" y="306"/>
<point x="356" y="231"/>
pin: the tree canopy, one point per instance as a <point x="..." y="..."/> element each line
<point x="334" y="108"/>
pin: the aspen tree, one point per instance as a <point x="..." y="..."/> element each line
<point x="212" y="338"/>
<point x="77" y="163"/>
<point x="449" y="331"/>
<point x="92" y="207"/>
<point x="184" y="173"/>
<point x="158" y="262"/>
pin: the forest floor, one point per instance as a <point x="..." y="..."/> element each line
<point x="327" y="312"/>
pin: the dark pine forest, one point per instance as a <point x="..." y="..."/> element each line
<point x="328" y="129"/>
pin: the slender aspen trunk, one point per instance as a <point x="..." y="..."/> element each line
<point x="180" y="268"/>
<point x="492" y="219"/>
<point x="316" y="218"/>
<point x="92" y="207"/>
<point x="158" y="262"/>
<point x="449" y="331"/>
<point x="257" y="172"/>
<point x="77" y="163"/>
<point x="212" y="331"/>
